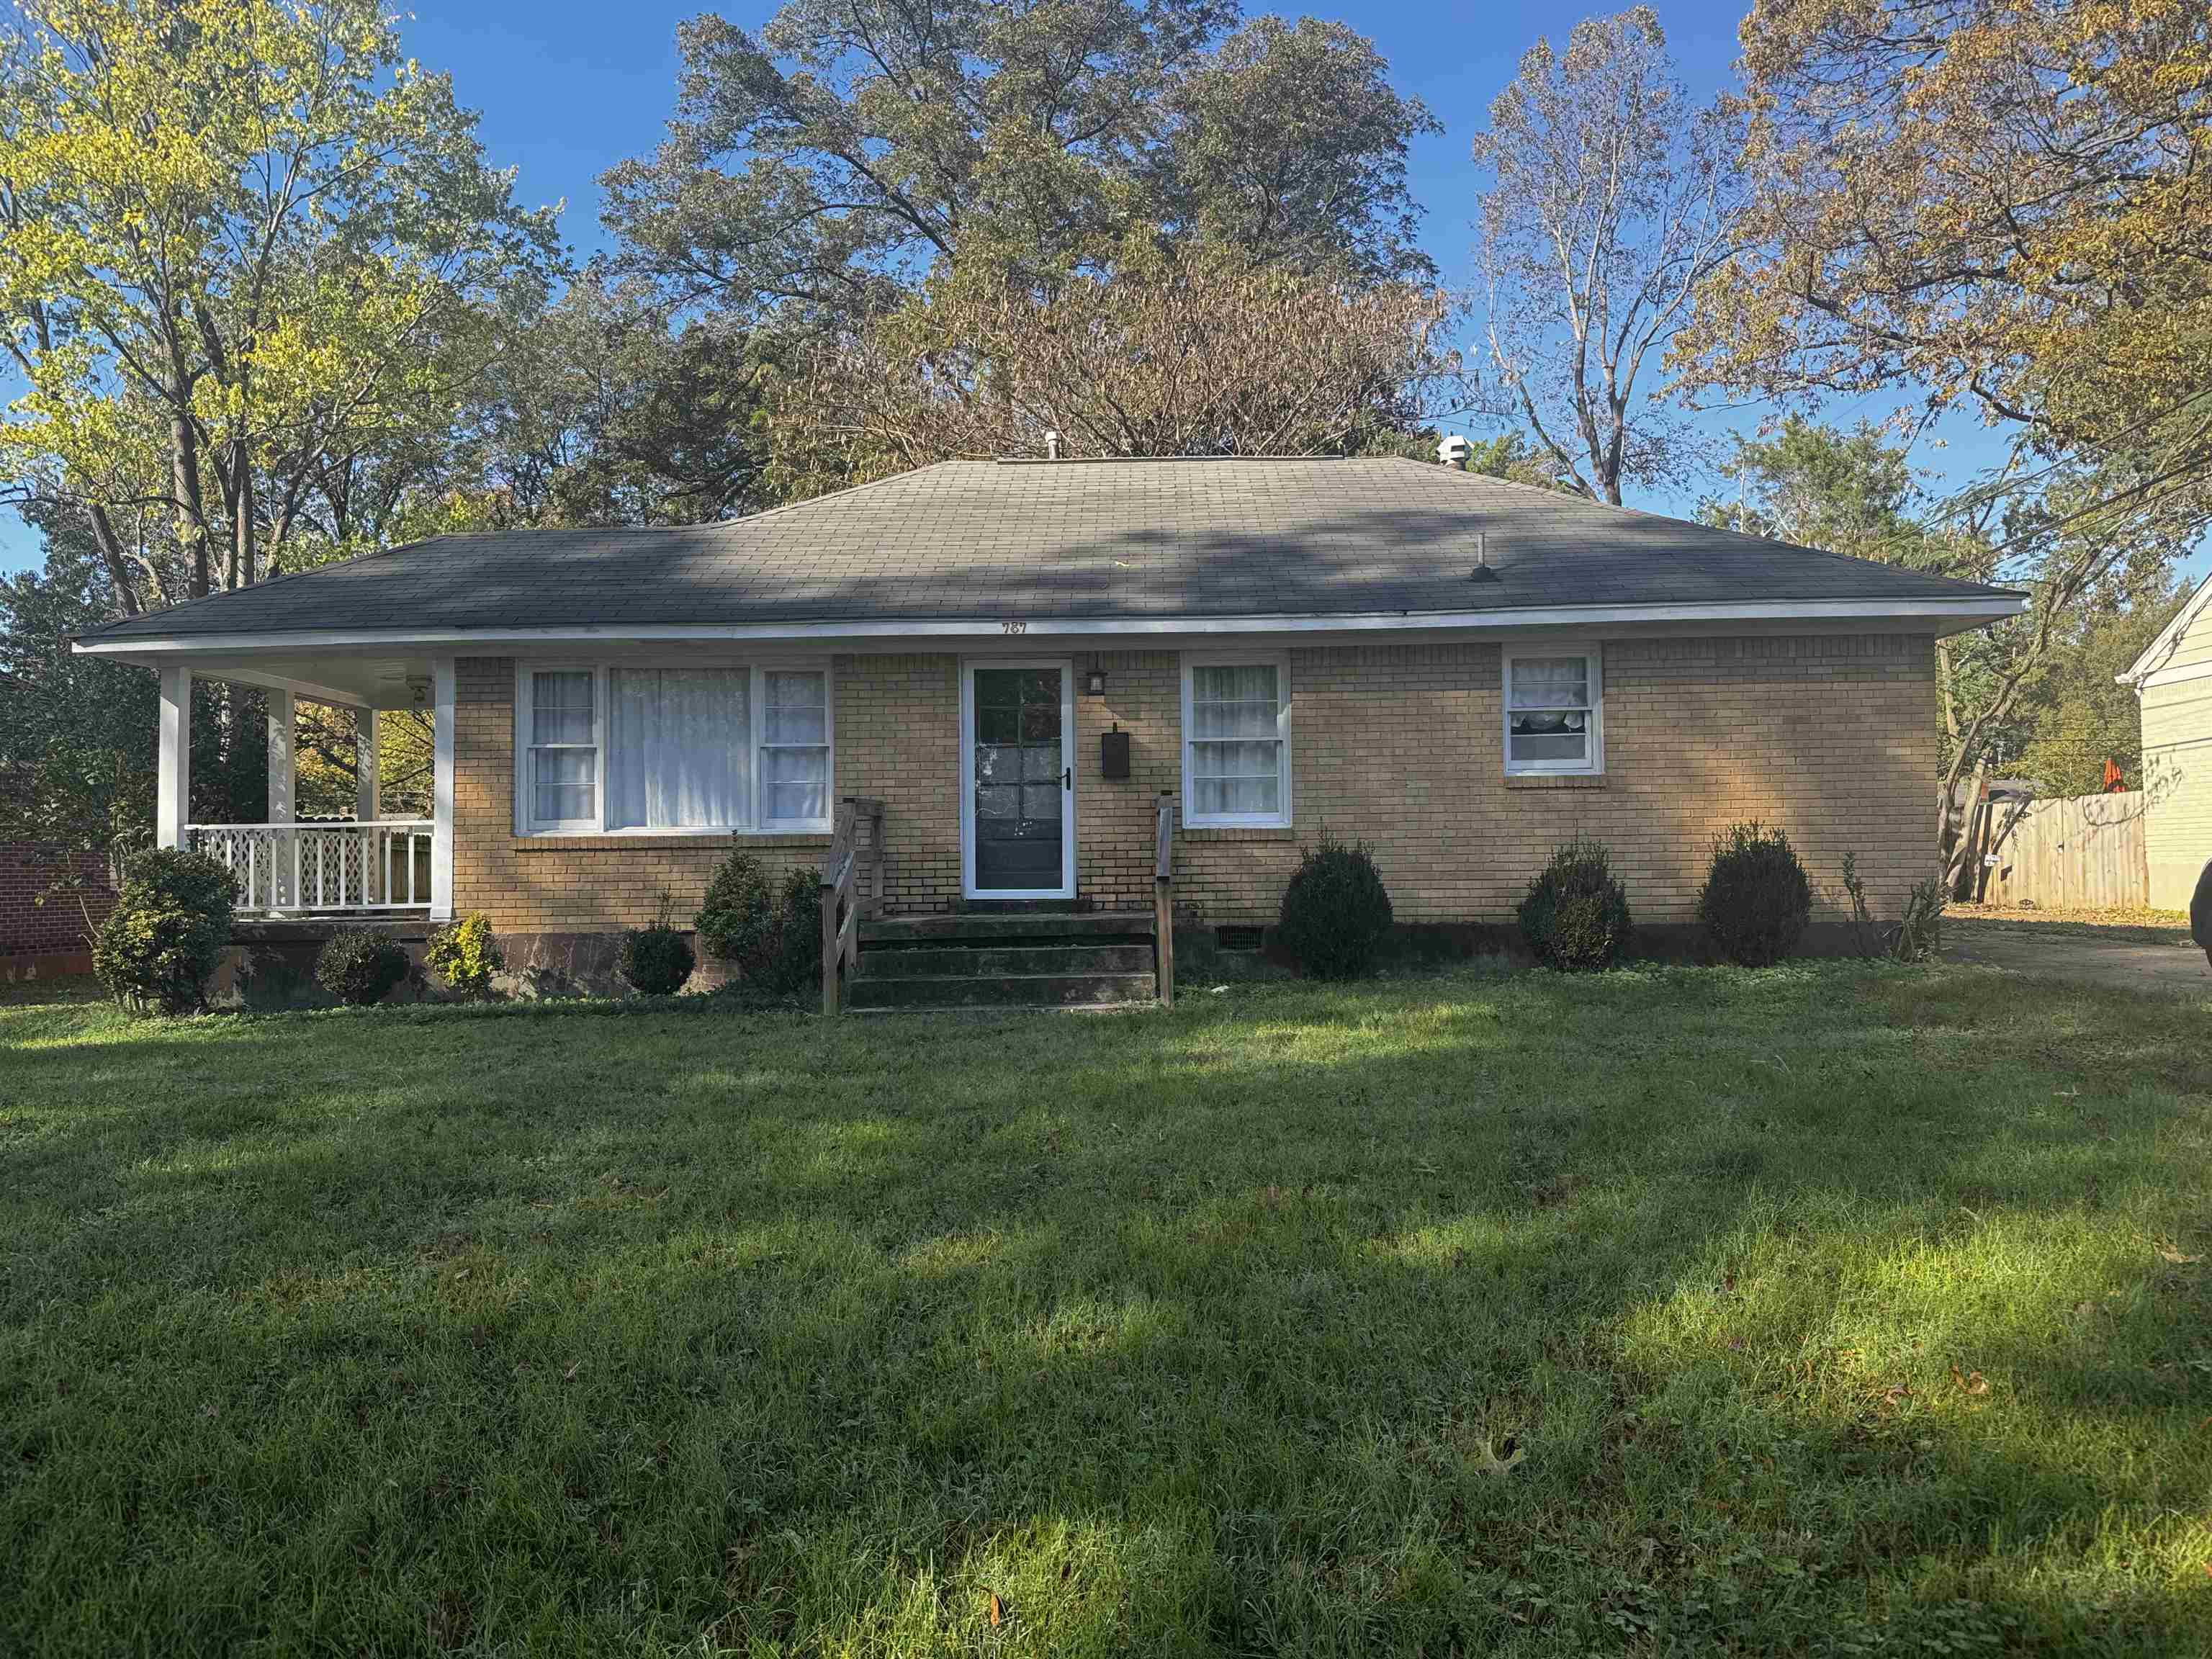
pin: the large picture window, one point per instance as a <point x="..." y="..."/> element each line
<point x="1554" y="712"/>
<point x="1237" y="741"/>
<point x="644" y="748"/>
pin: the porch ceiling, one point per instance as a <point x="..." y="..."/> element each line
<point x="349" y="680"/>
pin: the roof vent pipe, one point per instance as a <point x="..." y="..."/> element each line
<point x="1052" y="446"/>
<point x="1482" y="571"/>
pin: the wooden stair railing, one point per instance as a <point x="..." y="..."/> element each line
<point x="1163" y="897"/>
<point x="841" y="904"/>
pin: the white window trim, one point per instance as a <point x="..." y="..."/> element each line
<point x="1191" y="819"/>
<point x="1594" y="659"/>
<point x="756" y="714"/>
<point x="526" y="783"/>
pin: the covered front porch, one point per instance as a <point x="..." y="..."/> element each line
<point x="374" y="863"/>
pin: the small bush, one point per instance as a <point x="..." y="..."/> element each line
<point x="161" y="944"/>
<point x="359" y="965"/>
<point x="656" y="960"/>
<point x="1921" y="934"/>
<point x="1575" y="915"/>
<point x="1756" y="899"/>
<point x="466" y="955"/>
<point x="772" y="935"/>
<point x="1335" y="911"/>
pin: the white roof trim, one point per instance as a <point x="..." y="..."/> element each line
<point x="1965" y="612"/>
<point x="2141" y="669"/>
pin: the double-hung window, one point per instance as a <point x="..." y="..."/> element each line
<point x="659" y="748"/>
<point x="1554" y="711"/>
<point x="1236" y="741"/>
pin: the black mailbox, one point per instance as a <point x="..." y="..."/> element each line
<point x="1113" y="754"/>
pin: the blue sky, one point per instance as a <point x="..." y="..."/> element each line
<point x="566" y="90"/>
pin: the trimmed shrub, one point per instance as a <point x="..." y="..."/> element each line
<point x="1335" y="911"/>
<point x="771" y="933"/>
<point x="161" y="944"/>
<point x="656" y="960"/>
<point x="359" y="965"/>
<point x="1756" y="899"/>
<point x="1576" y="914"/>
<point x="466" y="955"/>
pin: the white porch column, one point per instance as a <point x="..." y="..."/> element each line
<point x="441" y="794"/>
<point x="367" y="787"/>
<point x="283" y="767"/>
<point x="172" y="807"/>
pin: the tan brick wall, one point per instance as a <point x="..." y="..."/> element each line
<point x="1831" y="737"/>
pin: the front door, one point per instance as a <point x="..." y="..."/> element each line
<point x="1017" y="780"/>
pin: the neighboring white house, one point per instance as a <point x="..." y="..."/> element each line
<point x="2173" y="683"/>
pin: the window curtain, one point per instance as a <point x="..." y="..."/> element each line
<point x="1235" y="750"/>
<point x="1551" y="702"/>
<point x="795" y="748"/>
<point x="678" y="743"/>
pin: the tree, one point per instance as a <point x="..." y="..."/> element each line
<point x="1190" y="351"/>
<point x="1614" y="198"/>
<point x="1814" y="486"/>
<point x="817" y="173"/>
<point x="2009" y="207"/>
<point x="2078" y="716"/>
<point x="245" y="240"/>
<point x="1289" y="142"/>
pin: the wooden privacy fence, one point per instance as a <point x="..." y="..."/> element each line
<point x="2078" y="852"/>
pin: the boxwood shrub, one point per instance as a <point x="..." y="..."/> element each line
<point x="1335" y="911"/>
<point x="1576" y="914"/>
<point x="770" y="932"/>
<point x="656" y="960"/>
<point x="1756" y="899"/>
<point x="360" y="965"/>
<point x="161" y="944"/>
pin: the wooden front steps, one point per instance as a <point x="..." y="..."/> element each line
<point x="998" y="959"/>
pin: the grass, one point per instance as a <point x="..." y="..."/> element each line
<point x="2137" y="923"/>
<point x="1826" y="1310"/>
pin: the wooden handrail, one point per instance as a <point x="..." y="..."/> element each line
<point x="841" y="906"/>
<point x="1164" y="897"/>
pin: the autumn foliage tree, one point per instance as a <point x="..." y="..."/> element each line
<point x="2007" y="206"/>
<point x="243" y="240"/>
<point x="1194" y="351"/>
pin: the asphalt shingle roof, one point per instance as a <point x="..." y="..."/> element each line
<point x="1067" y="540"/>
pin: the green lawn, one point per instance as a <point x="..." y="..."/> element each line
<point x="1824" y="1309"/>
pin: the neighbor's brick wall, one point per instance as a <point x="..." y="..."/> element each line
<point x="2176" y="735"/>
<point x="27" y="871"/>
<point x="1831" y="737"/>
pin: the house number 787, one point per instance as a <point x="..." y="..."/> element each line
<point x="1015" y="627"/>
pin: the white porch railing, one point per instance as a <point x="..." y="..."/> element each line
<point x="322" y="869"/>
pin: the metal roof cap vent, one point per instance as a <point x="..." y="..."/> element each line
<point x="1052" y="446"/>
<point x="1453" y="452"/>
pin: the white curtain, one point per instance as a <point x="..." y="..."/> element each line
<point x="1551" y="683"/>
<point x="795" y="748"/>
<point x="678" y="741"/>
<point x="1235" y="750"/>
<point x="564" y="764"/>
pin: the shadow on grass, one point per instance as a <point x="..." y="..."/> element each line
<point x="1545" y="1314"/>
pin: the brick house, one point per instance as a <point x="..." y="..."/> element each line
<point x="1020" y="659"/>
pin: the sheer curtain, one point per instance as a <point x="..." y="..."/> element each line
<point x="1235" y="750"/>
<point x="677" y="746"/>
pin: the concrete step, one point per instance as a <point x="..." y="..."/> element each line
<point x="988" y="961"/>
<point x="1002" y="990"/>
<point x="1006" y="927"/>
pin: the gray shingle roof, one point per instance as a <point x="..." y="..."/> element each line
<point x="1069" y="540"/>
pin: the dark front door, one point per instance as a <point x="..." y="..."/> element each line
<point x="1020" y="782"/>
